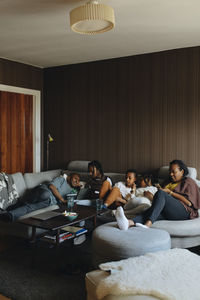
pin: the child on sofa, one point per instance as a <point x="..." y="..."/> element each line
<point x="122" y="191"/>
<point x="126" y="194"/>
<point x="143" y="194"/>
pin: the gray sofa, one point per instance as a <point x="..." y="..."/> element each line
<point x="24" y="184"/>
<point x="184" y="234"/>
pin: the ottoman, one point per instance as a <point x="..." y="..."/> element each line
<point x="109" y="243"/>
<point x="94" y="277"/>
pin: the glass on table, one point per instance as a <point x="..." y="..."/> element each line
<point x="70" y="201"/>
<point x="99" y="204"/>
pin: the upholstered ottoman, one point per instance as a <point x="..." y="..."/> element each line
<point x="110" y="243"/>
<point x="93" y="278"/>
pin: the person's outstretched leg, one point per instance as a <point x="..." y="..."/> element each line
<point x="167" y="206"/>
<point x="122" y="221"/>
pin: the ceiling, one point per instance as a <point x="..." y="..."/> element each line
<point x="37" y="32"/>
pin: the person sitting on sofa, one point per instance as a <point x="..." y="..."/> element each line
<point x="122" y="191"/>
<point x="144" y="192"/>
<point x="99" y="184"/>
<point x="178" y="200"/>
<point x="44" y="195"/>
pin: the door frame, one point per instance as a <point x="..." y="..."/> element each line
<point x="36" y="120"/>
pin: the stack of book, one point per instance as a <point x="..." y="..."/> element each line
<point x="66" y="233"/>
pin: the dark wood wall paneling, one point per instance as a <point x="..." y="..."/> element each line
<point x="140" y="111"/>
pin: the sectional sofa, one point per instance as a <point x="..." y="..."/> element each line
<point x="184" y="234"/>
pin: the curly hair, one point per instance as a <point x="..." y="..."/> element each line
<point x="182" y="166"/>
<point x="131" y="171"/>
<point x="97" y="165"/>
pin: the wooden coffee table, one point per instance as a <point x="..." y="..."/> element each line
<point x="56" y="223"/>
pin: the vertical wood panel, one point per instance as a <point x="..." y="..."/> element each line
<point x="16" y="135"/>
<point x="140" y="111"/>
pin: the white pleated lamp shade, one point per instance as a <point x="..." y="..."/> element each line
<point x="92" y="18"/>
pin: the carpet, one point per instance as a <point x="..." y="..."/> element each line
<point x="171" y="274"/>
<point x="19" y="281"/>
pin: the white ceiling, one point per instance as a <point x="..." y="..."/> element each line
<point x="37" y="32"/>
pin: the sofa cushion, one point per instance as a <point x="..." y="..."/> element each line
<point x="115" y="177"/>
<point x="179" y="228"/>
<point x="34" y="179"/>
<point x="78" y="165"/>
<point x="164" y="172"/>
<point x="20" y="183"/>
<point x="111" y="243"/>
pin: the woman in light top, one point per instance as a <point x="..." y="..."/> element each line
<point x="178" y="200"/>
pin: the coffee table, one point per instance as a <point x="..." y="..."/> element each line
<point x="56" y="223"/>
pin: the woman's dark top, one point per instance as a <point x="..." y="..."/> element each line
<point x="189" y="189"/>
<point x="94" y="185"/>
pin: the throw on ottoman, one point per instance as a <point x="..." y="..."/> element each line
<point x="110" y="243"/>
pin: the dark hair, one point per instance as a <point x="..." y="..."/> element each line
<point x="97" y="165"/>
<point x="71" y="175"/>
<point x="146" y="177"/>
<point x="131" y="171"/>
<point x="181" y="165"/>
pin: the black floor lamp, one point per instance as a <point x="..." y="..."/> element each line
<point x="49" y="140"/>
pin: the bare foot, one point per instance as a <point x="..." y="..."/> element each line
<point x="148" y="223"/>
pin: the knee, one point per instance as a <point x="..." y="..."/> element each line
<point x="159" y="195"/>
<point x="44" y="195"/>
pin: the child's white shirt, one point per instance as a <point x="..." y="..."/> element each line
<point x="124" y="190"/>
<point x="140" y="191"/>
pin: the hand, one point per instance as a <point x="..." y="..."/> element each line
<point x="158" y="186"/>
<point x="168" y="191"/>
<point x="149" y="195"/>
<point x="133" y="188"/>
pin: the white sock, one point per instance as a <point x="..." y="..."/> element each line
<point x="141" y="225"/>
<point x="122" y="221"/>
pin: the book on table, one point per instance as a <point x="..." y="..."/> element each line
<point x="75" y="230"/>
<point x="66" y="233"/>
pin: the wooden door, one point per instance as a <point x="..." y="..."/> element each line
<point x="16" y="132"/>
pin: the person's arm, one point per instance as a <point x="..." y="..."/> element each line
<point x="56" y="193"/>
<point x="181" y="198"/>
<point x="149" y="195"/>
<point x="104" y="189"/>
<point x="178" y="196"/>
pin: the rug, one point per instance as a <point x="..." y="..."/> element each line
<point x="169" y="275"/>
<point x="19" y="281"/>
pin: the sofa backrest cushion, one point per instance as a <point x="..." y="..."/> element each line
<point x="20" y="183"/>
<point x="164" y="172"/>
<point x="34" y="179"/>
<point x="116" y="177"/>
<point x="78" y="166"/>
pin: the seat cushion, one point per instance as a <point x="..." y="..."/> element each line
<point x="111" y="243"/>
<point x="179" y="228"/>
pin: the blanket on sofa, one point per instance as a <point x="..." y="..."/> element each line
<point x="8" y="191"/>
<point x="169" y="275"/>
